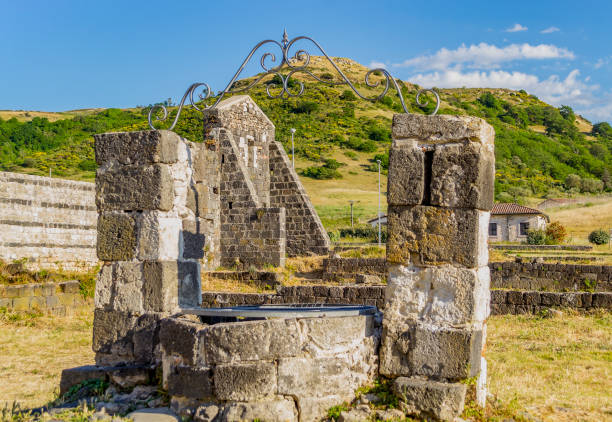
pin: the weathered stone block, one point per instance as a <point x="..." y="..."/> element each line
<point x="179" y="337"/>
<point x="319" y="377"/>
<point x="435" y="352"/>
<point x="602" y="300"/>
<point x="169" y="284"/>
<point x="275" y="410"/>
<point x="144" y="147"/>
<point x="433" y="399"/>
<point x="427" y="235"/>
<point x="330" y="336"/>
<point x="443" y="295"/>
<point x="135" y="188"/>
<point x="158" y="237"/>
<point x="129" y="376"/>
<point x="116" y="239"/>
<point x="441" y="128"/>
<point x="223" y="343"/>
<point x="120" y="337"/>
<point x="463" y="176"/>
<point x="245" y="381"/>
<point x="73" y="376"/>
<point x="406" y="164"/>
<point x="196" y="383"/>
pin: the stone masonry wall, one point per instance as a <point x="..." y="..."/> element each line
<point x="51" y="222"/>
<point x="305" y="232"/>
<point x="250" y="233"/>
<point x="551" y="277"/>
<point x="502" y="301"/>
<point x="56" y="298"/>
<point x="149" y="239"/>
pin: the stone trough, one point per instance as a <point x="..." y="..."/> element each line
<point x="278" y="364"/>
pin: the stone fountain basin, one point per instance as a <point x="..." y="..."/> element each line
<point x="290" y="367"/>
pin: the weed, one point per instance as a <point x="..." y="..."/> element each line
<point x="334" y="412"/>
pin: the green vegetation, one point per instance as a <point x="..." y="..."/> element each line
<point x="17" y="273"/>
<point x="541" y="150"/>
<point x="599" y="237"/>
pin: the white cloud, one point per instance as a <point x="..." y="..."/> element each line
<point x="377" y="65"/>
<point x="602" y="62"/>
<point x="485" y="55"/>
<point x="602" y="111"/>
<point x="549" y="30"/>
<point x="517" y="28"/>
<point x="554" y="90"/>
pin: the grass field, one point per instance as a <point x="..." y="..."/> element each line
<point x="556" y="369"/>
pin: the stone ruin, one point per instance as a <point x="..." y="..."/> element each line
<point x="168" y="207"/>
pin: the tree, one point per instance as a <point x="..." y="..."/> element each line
<point x="573" y="181"/>
<point x="488" y="100"/>
<point x="555" y="233"/>
<point x="606" y="179"/>
<point x="567" y="113"/>
<point x="602" y="130"/>
<point x="592" y="185"/>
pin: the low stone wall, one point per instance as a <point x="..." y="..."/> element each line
<point x="51" y="222"/>
<point x="348" y="268"/>
<point x="532" y="302"/>
<point x="375" y="296"/>
<point x="273" y="370"/>
<point x="543" y="247"/>
<point x="48" y="297"/>
<point x="551" y="277"/>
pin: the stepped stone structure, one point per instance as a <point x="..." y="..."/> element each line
<point x="441" y="175"/>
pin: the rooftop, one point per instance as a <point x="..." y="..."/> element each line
<point x="513" y="209"/>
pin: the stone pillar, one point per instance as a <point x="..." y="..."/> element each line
<point x="440" y="193"/>
<point x="150" y="238"/>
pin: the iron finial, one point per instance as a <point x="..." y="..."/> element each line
<point x="285" y="37"/>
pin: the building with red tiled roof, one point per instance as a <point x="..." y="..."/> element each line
<point x="511" y="222"/>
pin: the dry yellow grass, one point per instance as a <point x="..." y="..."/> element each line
<point x="558" y="369"/>
<point x="33" y="352"/>
<point x="582" y="219"/>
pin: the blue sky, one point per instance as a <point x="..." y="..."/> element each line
<point x="64" y="55"/>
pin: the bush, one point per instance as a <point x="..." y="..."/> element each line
<point x="599" y="237"/>
<point x="327" y="171"/>
<point x="536" y="237"/>
<point x="555" y="233"/>
<point x="348" y="95"/>
<point x="591" y="185"/>
<point x="573" y="181"/>
<point x="306" y="107"/>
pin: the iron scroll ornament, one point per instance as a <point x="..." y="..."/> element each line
<point x="300" y="56"/>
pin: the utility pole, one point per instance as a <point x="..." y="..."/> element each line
<point x="292" y="148"/>
<point x="351" y="202"/>
<point x="379" y="236"/>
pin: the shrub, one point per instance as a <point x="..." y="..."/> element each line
<point x="599" y="237"/>
<point x="536" y="237"/>
<point x="348" y="95"/>
<point x="555" y="233"/>
<point x="591" y="185"/>
<point x="573" y="181"/>
<point x="327" y="76"/>
<point x="327" y="171"/>
<point x="306" y="107"/>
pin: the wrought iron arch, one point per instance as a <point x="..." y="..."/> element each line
<point x="292" y="64"/>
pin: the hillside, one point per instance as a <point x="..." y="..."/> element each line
<point x="540" y="150"/>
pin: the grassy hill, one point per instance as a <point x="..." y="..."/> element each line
<point x="541" y="150"/>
